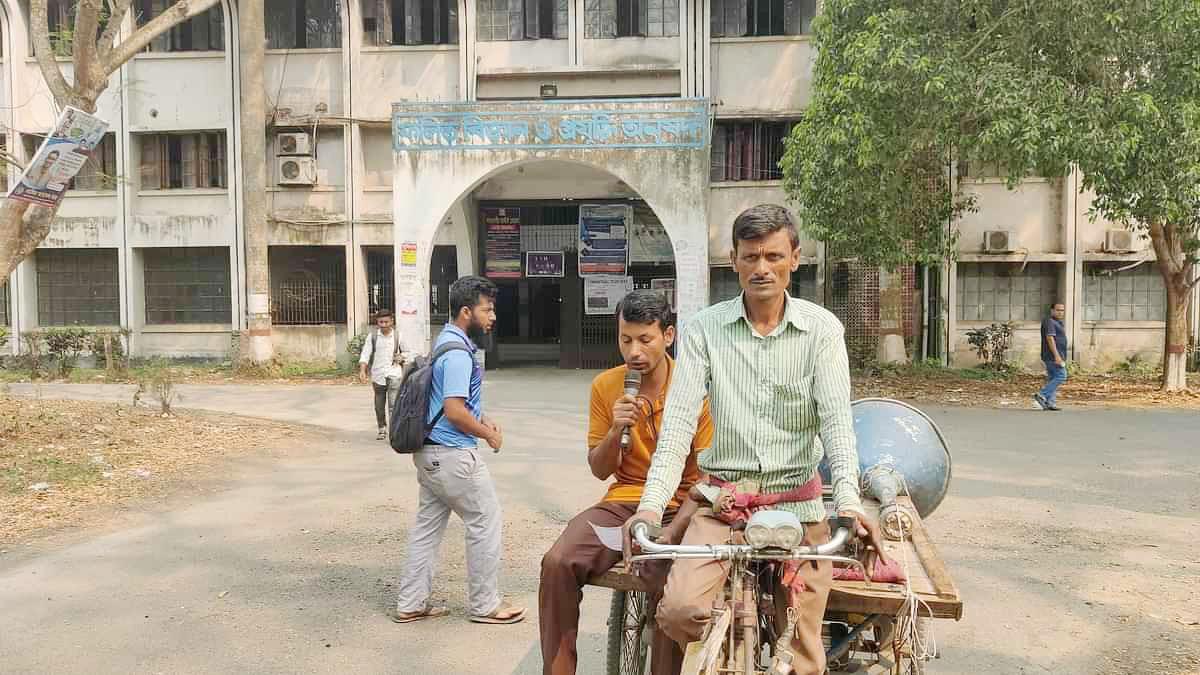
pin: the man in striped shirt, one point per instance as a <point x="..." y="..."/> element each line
<point x="778" y="381"/>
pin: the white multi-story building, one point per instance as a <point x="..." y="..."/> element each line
<point x="413" y="141"/>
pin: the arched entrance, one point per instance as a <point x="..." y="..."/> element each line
<point x="467" y="166"/>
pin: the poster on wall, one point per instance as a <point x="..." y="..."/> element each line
<point x="408" y="254"/>
<point x="503" y="247"/>
<point x="650" y="244"/>
<point x="545" y="264"/>
<point x="667" y="286"/>
<point x="61" y="155"/>
<point x="601" y="293"/>
<point x="603" y="238"/>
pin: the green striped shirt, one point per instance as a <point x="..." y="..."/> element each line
<point x="778" y="403"/>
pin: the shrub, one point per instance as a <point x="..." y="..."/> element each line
<point x="111" y="345"/>
<point x="354" y="348"/>
<point x="31" y="354"/>
<point x="157" y="381"/>
<point x="65" y="345"/>
<point x="992" y="344"/>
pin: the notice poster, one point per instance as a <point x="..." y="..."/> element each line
<point x="650" y="244"/>
<point x="667" y="286"/>
<point x="64" y="152"/>
<point x="604" y="239"/>
<point x="408" y="254"/>
<point x="545" y="264"/>
<point x="602" y="293"/>
<point x="503" y="248"/>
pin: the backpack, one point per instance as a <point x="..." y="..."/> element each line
<point x="396" y="349"/>
<point x="407" y="429"/>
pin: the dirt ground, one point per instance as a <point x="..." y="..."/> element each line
<point x="65" y="462"/>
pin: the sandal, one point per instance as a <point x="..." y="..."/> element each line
<point x="504" y="614"/>
<point x="427" y="613"/>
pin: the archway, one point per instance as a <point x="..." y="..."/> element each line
<point x="653" y="151"/>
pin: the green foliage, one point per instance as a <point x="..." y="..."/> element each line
<point x="354" y="348"/>
<point x="31" y="354"/>
<point x="110" y="346"/>
<point x="991" y="344"/>
<point x="65" y="344"/>
<point x="903" y="87"/>
<point x="3" y="337"/>
<point x="1135" y="366"/>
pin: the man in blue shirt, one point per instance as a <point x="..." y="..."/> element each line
<point x="1054" y="356"/>
<point x="451" y="471"/>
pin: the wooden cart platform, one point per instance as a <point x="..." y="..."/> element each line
<point x="929" y="579"/>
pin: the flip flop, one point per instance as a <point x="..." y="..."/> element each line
<point x="504" y="614"/>
<point x="427" y="613"/>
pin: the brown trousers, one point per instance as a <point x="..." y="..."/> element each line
<point x="577" y="556"/>
<point x="693" y="585"/>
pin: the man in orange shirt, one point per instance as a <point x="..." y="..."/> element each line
<point x="646" y="329"/>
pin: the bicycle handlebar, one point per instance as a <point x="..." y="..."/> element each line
<point x="827" y="551"/>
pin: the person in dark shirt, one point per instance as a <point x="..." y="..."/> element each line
<point x="1054" y="356"/>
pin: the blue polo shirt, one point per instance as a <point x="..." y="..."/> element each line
<point x="456" y="375"/>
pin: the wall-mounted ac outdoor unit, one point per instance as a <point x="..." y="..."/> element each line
<point x="294" y="143"/>
<point x="296" y="170"/>
<point x="998" y="241"/>
<point x="1119" y="241"/>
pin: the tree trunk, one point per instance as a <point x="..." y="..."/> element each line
<point x="252" y="47"/>
<point x="1175" y="350"/>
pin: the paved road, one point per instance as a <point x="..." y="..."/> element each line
<point x="1071" y="535"/>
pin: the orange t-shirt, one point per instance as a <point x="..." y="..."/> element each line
<point x="609" y="386"/>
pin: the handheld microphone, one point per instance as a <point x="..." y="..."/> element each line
<point x="633" y="382"/>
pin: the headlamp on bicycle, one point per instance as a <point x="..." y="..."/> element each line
<point x="774" y="529"/>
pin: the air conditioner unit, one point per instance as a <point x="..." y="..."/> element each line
<point x="297" y="170"/>
<point x="295" y="143"/>
<point x="998" y="241"/>
<point x="1119" y="241"/>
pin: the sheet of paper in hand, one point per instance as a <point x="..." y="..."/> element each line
<point x="609" y="536"/>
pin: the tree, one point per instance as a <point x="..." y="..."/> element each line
<point x="97" y="51"/>
<point x="903" y="88"/>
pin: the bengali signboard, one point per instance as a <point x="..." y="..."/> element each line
<point x="602" y="293"/>
<point x="547" y="125"/>
<point x="545" y="264"/>
<point x="503" y="247"/>
<point x="61" y="155"/>
<point x="604" y="238"/>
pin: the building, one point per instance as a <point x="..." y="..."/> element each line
<point x="412" y="141"/>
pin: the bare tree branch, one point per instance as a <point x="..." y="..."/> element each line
<point x="83" y="46"/>
<point x="44" y="53"/>
<point x="118" y="8"/>
<point x="172" y="16"/>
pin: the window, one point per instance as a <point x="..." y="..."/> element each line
<point x="187" y="285"/>
<point x="4" y="304"/>
<point x="202" y="33"/>
<point x="748" y="150"/>
<point x="5" y="169"/>
<point x="308" y="285"/>
<point x="172" y="161"/>
<point x="724" y="285"/>
<point x="303" y="24"/>
<point x="410" y="22"/>
<point x="77" y="286"/>
<point x="631" y="18"/>
<point x="60" y="19"/>
<point x="521" y="19"/>
<point x="1136" y="294"/>
<point x="99" y="172"/>
<point x="745" y="18"/>
<point x="1002" y="292"/>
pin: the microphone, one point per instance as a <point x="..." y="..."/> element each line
<point x="633" y="382"/>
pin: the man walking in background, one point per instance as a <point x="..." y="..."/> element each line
<point x="452" y="473"/>
<point x="380" y="363"/>
<point x="1054" y="356"/>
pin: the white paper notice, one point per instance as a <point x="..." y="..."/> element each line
<point x="609" y="536"/>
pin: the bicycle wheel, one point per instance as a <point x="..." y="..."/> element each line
<point x="628" y="652"/>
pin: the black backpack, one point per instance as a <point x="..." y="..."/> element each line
<point x="407" y="429"/>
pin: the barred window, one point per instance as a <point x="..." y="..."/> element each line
<point x="1136" y="294"/>
<point x="187" y="285"/>
<point x="410" y="22"/>
<point x="748" y="150"/>
<point x="1003" y="292"/>
<point x="78" y="286"/>
<point x="4" y="304"/>
<point x="631" y="18"/>
<point x="747" y="18"/>
<point x="173" y="161"/>
<point x="724" y="285"/>
<point x="99" y="172"/>
<point x="202" y="33"/>
<point x="303" y="24"/>
<point x="522" y="20"/>
<point x="60" y="20"/>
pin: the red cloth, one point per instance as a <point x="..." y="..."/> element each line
<point x="738" y="506"/>
<point x="889" y="573"/>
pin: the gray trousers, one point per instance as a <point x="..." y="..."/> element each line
<point x="453" y="480"/>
